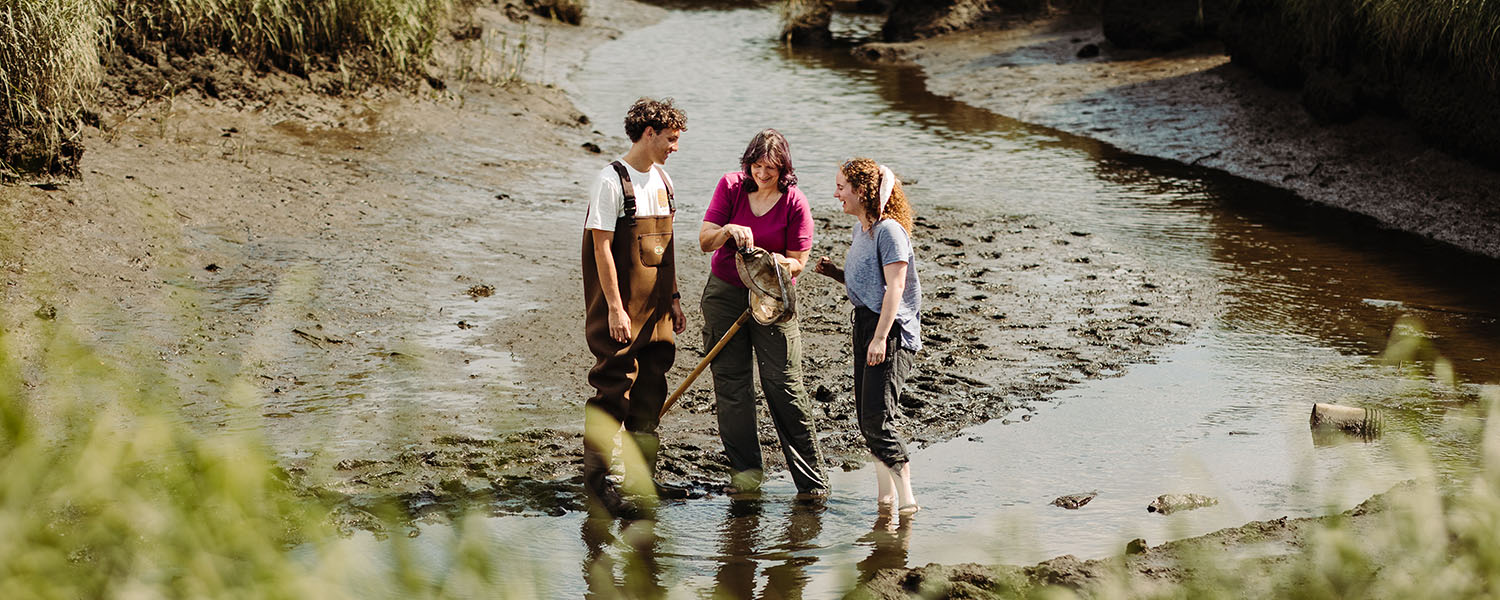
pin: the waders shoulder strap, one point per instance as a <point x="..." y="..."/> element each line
<point x="671" y="203"/>
<point x="627" y="189"/>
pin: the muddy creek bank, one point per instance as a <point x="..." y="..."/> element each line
<point x="393" y="281"/>
<point x="324" y="254"/>
<point x="1193" y="107"/>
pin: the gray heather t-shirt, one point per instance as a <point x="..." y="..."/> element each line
<point x="864" y="276"/>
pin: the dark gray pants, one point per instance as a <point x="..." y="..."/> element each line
<point x="877" y="389"/>
<point x="777" y="352"/>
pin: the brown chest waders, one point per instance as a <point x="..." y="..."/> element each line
<point x="630" y="378"/>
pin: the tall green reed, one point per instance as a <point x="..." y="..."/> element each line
<point x="399" y="34"/>
<point x="50" y="49"/>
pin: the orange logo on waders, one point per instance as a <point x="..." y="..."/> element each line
<point x="660" y="250"/>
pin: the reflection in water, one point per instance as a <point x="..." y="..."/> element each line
<point x="742" y="548"/>
<point x="789" y="577"/>
<point x="635" y="573"/>
<point x="889" y="541"/>
<point x="739" y="536"/>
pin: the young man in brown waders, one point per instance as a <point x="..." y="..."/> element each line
<point x="633" y="310"/>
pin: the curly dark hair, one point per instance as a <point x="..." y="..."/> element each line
<point x="864" y="175"/>
<point x="660" y="115"/>
<point x="770" y="145"/>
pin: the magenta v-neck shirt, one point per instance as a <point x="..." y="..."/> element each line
<point x="787" y="227"/>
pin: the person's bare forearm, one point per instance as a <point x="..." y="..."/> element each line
<point x="797" y="261"/>
<point x="711" y="237"/>
<point x="895" y="277"/>
<point x="888" y="307"/>
<point x="604" y="260"/>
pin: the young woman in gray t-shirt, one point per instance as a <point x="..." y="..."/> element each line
<point x="880" y="276"/>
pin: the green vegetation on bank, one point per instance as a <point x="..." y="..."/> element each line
<point x="291" y="34"/>
<point x="1463" y="33"/>
<point x="50" y="49"/>
<point x="49" y="57"/>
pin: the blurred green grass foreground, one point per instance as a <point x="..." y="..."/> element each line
<point x="107" y="492"/>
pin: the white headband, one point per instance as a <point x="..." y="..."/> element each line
<point x="887" y="184"/>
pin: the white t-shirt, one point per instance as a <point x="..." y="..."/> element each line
<point x="607" y="204"/>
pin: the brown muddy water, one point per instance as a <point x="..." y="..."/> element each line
<point x="1306" y="300"/>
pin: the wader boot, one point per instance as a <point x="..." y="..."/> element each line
<point x="630" y="379"/>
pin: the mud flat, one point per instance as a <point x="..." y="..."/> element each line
<point x="388" y="282"/>
<point x="310" y="267"/>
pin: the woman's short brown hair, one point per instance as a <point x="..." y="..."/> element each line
<point x="660" y="115"/>
<point x="769" y="145"/>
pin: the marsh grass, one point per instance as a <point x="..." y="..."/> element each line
<point x="496" y="58"/>
<point x="1461" y="33"/>
<point x="49" y="52"/>
<point x="287" y="33"/>
<point x="566" y="11"/>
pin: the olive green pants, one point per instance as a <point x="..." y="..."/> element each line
<point x="777" y="352"/>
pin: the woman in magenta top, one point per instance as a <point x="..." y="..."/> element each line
<point x="759" y="206"/>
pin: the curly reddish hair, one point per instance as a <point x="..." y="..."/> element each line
<point x="660" y="115"/>
<point x="864" y="175"/>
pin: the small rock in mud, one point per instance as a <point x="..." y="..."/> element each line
<point x="472" y="31"/>
<point x="592" y="147"/>
<point x="46" y="313"/>
<point x="350" y="464"/>
<point x="1075" y="501"/>
<point x="1170" y="503"/>
<point x="480" y="291"/>
<point x="515" y="13"/>
<point x="212" y="268"/>
<point x="1136" y="546"/>
<point x="1088" y="51"/>
<point x="465" y="325"/>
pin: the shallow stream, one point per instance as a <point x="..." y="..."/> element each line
<point x="1307" y="296"/>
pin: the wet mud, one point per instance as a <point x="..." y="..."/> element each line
<point x="1013" y="311"/>
<point x="347" y="259"/>
<point x="1256" y="547"/>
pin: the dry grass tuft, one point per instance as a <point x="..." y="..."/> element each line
<point x="49" y="56"/>
<point x="50" y="49"/>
